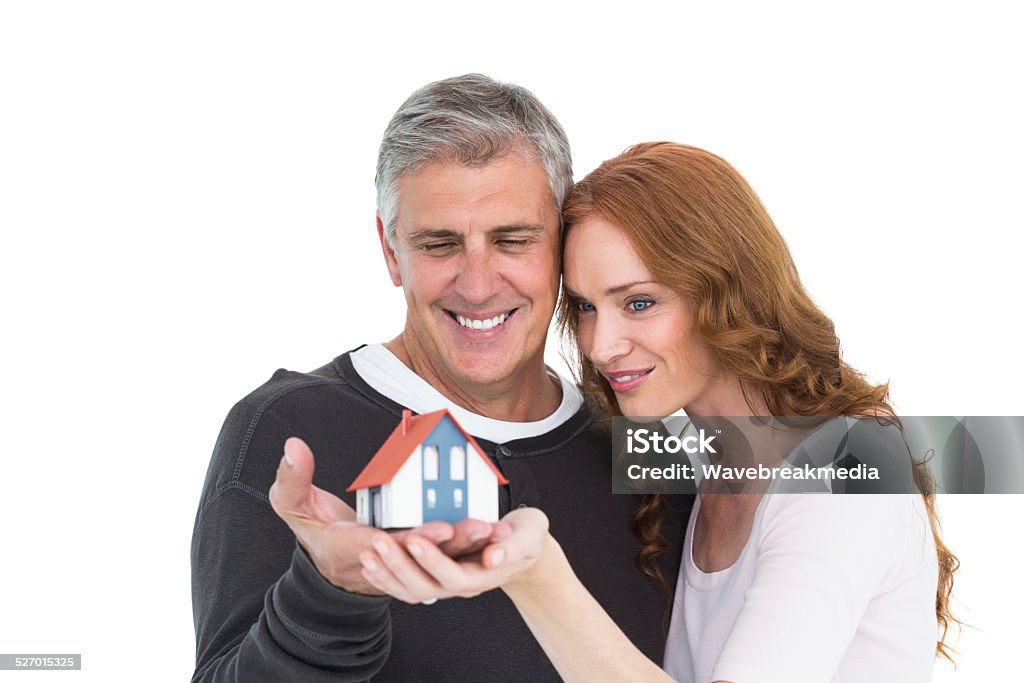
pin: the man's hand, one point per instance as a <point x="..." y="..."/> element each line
<point x="326" y="526"/>
<point x="415" y="570"/>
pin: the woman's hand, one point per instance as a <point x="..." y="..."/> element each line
<point x="415" y="570"/>
<point x="529" y="565"/>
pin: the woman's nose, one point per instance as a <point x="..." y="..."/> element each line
<point x="608" y="341"/>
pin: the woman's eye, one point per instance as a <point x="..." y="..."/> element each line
<point x="585" y="306"/>
<point x="639" y="304"/>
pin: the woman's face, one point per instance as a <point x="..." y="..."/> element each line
<point x="638" y="332"/>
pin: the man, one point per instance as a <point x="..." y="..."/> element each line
<point x="470" y="181"/>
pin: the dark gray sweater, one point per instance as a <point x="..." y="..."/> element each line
<point x="263" y="613"/>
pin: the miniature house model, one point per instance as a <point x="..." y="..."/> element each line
<point x="428" y="470"/>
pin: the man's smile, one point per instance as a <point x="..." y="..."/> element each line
<point x="478" y="321"/>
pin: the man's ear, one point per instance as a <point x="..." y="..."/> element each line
<point x="390" y="258"/>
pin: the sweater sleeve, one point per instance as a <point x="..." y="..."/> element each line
<point x="821" y="560"/>
<point x="263" y="612"/>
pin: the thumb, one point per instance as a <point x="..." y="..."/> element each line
<point x="529" y="530"/>
<point x="293" y="486"/>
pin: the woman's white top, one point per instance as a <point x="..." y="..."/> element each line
<point x="834" y="588"/>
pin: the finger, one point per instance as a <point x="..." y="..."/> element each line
<point x="473" y="535"/>
<point x="523" y="537"/>
<point x="452" y="576"/>
<point x="531" y="520"/>
<point x="335" y="550"/>
<point x="469" y="577"/>
<point x="435" y="532"/>
<point x="405" y="570"/>
<point x="292" y="489"/>
<point x="293" y="495"/>
<point x="500" y="531"/>
<point x="329" y="508"/>
<point x="496" y="555"/>
<point x="381" y="579"/>
<point x="470" y="536"/>
<point x="528" y="529"/>
<point x="473" y="549"/>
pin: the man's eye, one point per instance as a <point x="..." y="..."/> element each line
<point x="512" y="243"/>
<point x="640" y="304"/>
<point x="437" y="246"/>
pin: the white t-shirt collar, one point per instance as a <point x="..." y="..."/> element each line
<point x="385" y="373"/>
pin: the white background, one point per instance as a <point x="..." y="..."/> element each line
<point x="187" y="203"/>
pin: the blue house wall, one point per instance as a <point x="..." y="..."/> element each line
<point x="443" y="437"/>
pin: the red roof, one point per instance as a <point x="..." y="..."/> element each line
<point x="409" y="434"/>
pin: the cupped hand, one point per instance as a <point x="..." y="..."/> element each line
<point x="326" y="526"/>
<point x="416" y="569"/>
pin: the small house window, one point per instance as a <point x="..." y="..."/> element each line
<point x="457" y="493"/>
<point x="457" y="462"/>
<point x="431" y="498"/>
<point x="430" y="467"/>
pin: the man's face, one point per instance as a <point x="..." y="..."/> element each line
<point x="477" y="253"/>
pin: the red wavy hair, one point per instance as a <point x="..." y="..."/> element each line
<point x="701" y="230"/>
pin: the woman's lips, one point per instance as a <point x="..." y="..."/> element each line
<point x="627" y="380"/>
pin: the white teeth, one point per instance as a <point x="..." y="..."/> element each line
<point x="482" y="324"/>
<point x="626" y="378"/>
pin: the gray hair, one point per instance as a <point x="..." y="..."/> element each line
<point x="470" y="120"/>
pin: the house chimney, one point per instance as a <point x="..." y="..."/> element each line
<point x="406" y="421"/>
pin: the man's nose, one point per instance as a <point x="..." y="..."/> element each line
<point x="608" y="339"/>
<point x="478" y="279"/>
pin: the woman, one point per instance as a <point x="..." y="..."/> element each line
<point x="681" y="294"/>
